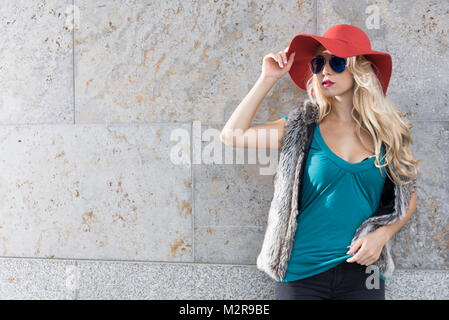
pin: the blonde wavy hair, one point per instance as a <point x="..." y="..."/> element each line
<point x="374" y="112"/>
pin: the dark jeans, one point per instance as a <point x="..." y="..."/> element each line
<point x="347" y="281"/>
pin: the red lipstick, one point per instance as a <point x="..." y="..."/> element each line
<point x="327" y="83"/>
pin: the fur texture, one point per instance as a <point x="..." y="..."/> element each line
<point x="282" y="216"/>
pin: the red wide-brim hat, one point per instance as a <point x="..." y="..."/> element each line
<point x="342" y="40"/>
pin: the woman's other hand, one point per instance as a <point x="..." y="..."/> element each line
<point x="369" y="248"/>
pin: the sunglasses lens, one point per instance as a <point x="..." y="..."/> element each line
<point x="337" y="64"/>
<point x="317" y="64"/>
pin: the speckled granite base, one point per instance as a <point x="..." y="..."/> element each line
<point x="22" y="278"/>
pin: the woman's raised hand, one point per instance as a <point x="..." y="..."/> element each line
<point x="276" y="65"/>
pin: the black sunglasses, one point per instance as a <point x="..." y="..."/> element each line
<point x="337" y="64"/>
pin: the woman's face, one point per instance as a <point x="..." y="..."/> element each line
<point x="342" y="82"/>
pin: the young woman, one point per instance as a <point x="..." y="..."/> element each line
<point x="332" y="185"/>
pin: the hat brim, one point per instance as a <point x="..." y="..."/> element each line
<point x="304" y="46"/>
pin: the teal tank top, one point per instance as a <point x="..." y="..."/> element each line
<point x="337" y="196"/>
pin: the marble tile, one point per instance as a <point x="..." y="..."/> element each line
<point x="94" y="191"/>
<point x="36" y="62"/>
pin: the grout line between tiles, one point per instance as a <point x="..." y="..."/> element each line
<point x="192" y="187"/>
<point x="73" y="59"/>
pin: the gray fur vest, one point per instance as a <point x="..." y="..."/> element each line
<point x="282" y="216"/>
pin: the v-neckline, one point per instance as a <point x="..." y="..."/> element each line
<point x="346" y="164"/>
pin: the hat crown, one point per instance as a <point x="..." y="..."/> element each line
<point x="350" y="34"/>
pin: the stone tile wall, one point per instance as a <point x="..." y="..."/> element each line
<point x="99" y="98"/>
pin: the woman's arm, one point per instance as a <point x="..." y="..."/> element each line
<point x="238" y="133"/>
<point x="391" y="229"/>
